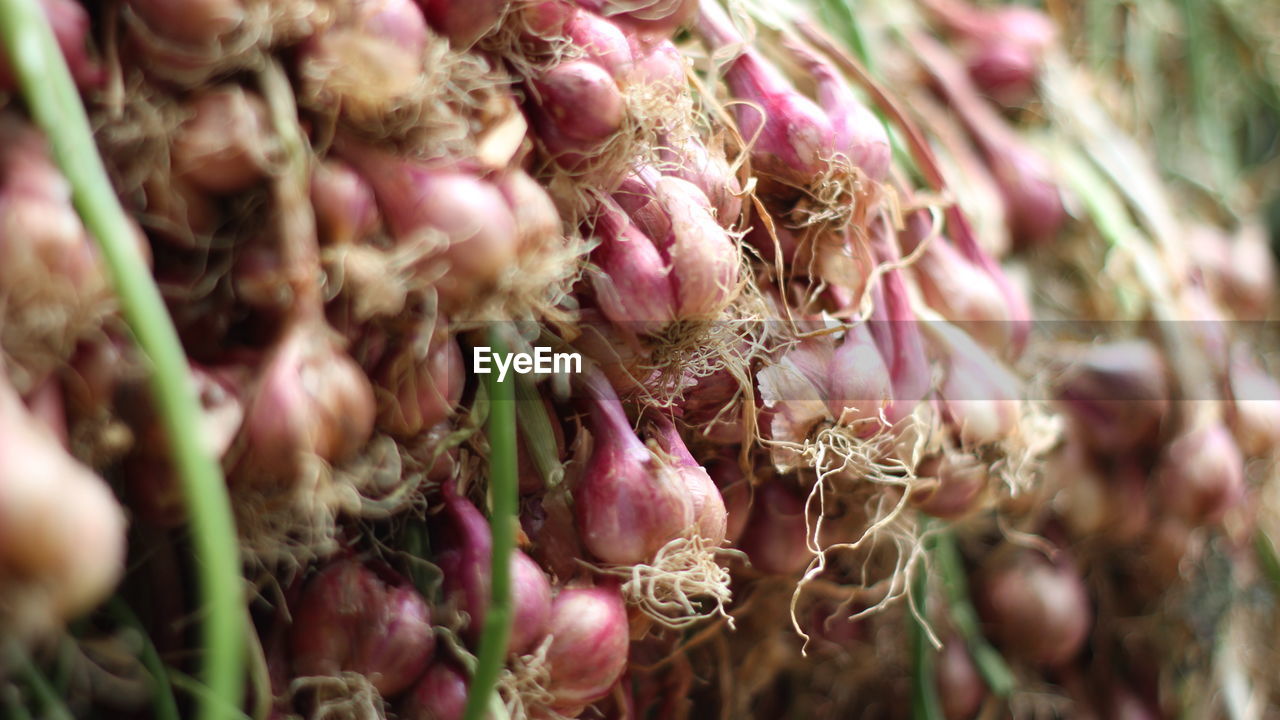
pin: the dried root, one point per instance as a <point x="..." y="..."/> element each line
<point x="672" y="587"/>
<point x="347" y="696"/>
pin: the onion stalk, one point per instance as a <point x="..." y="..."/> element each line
<point x="55" y="106"/>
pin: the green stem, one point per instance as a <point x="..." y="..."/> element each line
<point x="13" y="703"/>
<point x="841" y="13"/>
<point x="990" y="664"/>
<point x="925" y="704"/>
<point x="201" y="693"/>
<point x="539" y="436"/>
<point x="54" y="104"/>
<point x="503" y="495"/>
<point x="1269" y="558"/>
<point x="164" y="705"/>
<point x="54" y="709"/>
<point x="1200" y="52"/>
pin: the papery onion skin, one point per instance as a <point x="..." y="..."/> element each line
<point x="311" y="399"/>
<point x="960" y="687"/>
<point x="440" y="694"/>
<point x="633" y="288"/>
<point x="589" y="644"/>
<point x="794" y="140"/>
<point x="346" y="211"/>
<point x="859" y="134"/>
<point x="351" y="620"/>
<point x="629" y="504"/>
<point x="463" y="219"/>
<point x="601" y="41"/>
<point x="1201" y="474"/>
<point x="222" y="148"/>
<point x="861" y="387"/>
<point x="581" y="100"/>
<point x="694" y="162"/>
<point x="961" y="480"/>
<point x="1036" y="609"/>
<point x="708" y="504"/>
<point x="420" y="388"/>
<point x="62" y="531"/>
<point x="465" y="554"/>
<point x="1116" y="395"/>
<point x="776" y="538"/>
<point x="654" y="18"/>
<point x="198" y="22"/>
<point x="463" y="21"/>
<point x="704" y="260"/>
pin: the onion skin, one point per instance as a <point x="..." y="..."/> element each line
<point x="1116" y="395"/>
<point x="861" y="387"/>
<point x="471" y="214"/>
<point x="796" y="388"/>
<point x="958" y="288"/>
<point x="980" y="396"/>
<point x="463" y="21"/>
<point x="633" y="288"/>
<point x="678" y="217"/>
<point x="960" y="687"/>
<point x="312" y="398"/>
<point x="440" y="694"/>
<point x="209" y="156"/>
<point x="897" y="332"/>
<point x="351" y="620"/>
<point x="659" y="64"/>
<point x="346" y="211"/>
<point x="704" y="260"/>
<point x="1004" y="71"/>
<point x="195" y="22"/>
<point x="589" y="644"/>
<point x="602" y="42"/>
<point x="62" y="531"/>
<point x="466" y="548"/>
<point x="1254" y="412"/>
<point x="1201" y="474"/>
<point x="777" y="542"/>
<point x="859" y="134"/>
<point x="656" y="18"/>
<point x="710" y="172"/>
<point x="367" y="64"/>
<point x="708" y="504"/>
<point x="419" y="388"/>
<point x="1037" y="610"/>
<point x="629" y="504"/>
<point x="961" y="480"/>
<point x="794" y="138"/>
<point x="1006" y="45"/>
<point x="1033" y="202"/>
<point x="636" y="196"/>
<point x="537" y="220"/>
<point x="1032" y="196"/>
<point x="581" y="100"/>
